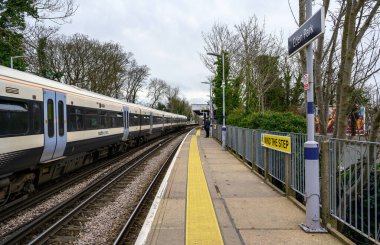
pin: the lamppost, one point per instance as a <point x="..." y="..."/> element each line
<point x="15" y="57"/>
<point x="211" y="107"/>
<point x="224" y="129"/>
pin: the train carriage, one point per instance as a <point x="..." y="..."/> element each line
<point x="49" y="128"/>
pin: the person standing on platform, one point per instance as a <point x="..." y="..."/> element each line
<point x="207" y="127"/>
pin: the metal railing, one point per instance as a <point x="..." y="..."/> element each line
<point x="353" y="178"/>
<point x="354" y="185"/>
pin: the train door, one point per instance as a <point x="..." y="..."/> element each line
<point x="60" y="105"/>
<point x="55" y="125"/>
<point x="126" y="122"/>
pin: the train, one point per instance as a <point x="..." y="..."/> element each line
<point x="48" y="129"/>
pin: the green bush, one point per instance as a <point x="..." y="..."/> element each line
<point x="272" y="121"/>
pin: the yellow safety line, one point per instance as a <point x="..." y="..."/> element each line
<point x="198" y="133"/>
<point x="201" y="223"/>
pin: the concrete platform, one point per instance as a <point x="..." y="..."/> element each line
<point x="248" y="210"/>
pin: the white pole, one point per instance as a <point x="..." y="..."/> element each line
<point x="311" y="151"/>
<point x="224" y="129"/>
<point x="211" y="111"/>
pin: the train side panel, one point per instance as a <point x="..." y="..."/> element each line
<point x="92" y="124"/>
<point x="21" y="131"/>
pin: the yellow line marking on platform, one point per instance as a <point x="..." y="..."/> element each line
<point x="198" y="133"/>
<point x="201" y="223"/>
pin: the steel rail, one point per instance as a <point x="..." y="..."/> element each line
<point x="125" y="230"/>
<point x="24" y="231"/>
<point x="26" y="202"/>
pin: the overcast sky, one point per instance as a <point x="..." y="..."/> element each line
<point x="167" y="35"/>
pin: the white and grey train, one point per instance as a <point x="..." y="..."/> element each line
<point x="48" y="129"/>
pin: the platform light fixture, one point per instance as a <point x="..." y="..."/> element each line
<point x="224" y="129"/>
<point x="15" y="57"/>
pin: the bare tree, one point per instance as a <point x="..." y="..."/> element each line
<point x="57" y="11"/>
<point x="33" y="38"/>
<point x="108" y="67"/>
<point x="88" y="63"/>
<point x="172" y="95"/>
<point x="326" y="61"/>
<point x="359" y="17"/>
<point x="219" y="39"/>
<point x="257" y="60"/>
<point x="134" y="80"/>
<point x="157" y="88"/>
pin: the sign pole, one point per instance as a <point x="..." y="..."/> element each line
<point x="311" y="151"/>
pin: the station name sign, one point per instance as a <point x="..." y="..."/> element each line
<point x="308" y="32"/>
<point x="277" y="142"/>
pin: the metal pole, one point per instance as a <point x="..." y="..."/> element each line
<point x="211" y="111"/>
<point x="311" y="151"/>
<point x="224" y="129"/>
<point x="15" y="57"/>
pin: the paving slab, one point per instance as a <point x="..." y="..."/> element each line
<point x="248" y="210"/>
<point x="294" y="237"/>
<point x="259" y="214"/>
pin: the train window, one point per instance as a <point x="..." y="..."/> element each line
<point x="75" y="119"/>
<point x="103" y="122"/>
<point x="91" y="119"/>
<point x="113" y="119"/>
<point x="61" y="119"/>
<point x="108" y="120"/>
<point x="13" y="118"/>
<point x="119" y="119"/>
<point x="37" y="117"/>
<point x="50" y="117"/>
<point x="145" y="120"/>
<point x="134" y="119"/>
<point x="71" y="125"/>
<point x="157" y="120"/>
<point x="79" y="119"/>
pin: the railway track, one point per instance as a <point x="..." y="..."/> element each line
<point x="26" y="201"/>
<point x="61" y="223"/>
<point x="129" y="231"/>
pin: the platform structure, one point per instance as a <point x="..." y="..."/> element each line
<point x="213" y="198"/>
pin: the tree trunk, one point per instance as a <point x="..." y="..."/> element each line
<point x="344" y="76"/>
<point x="302" y="19"/>
<point x="321" y="94"/>
<point x="375" y="126"/>
<point x="353" y="33"/>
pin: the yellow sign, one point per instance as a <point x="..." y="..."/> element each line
<point x="276" y="142"/>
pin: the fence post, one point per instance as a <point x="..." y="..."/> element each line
<point x="228" y="136"/>
<point x="229" y="139"/>
<point x="236" y="141"/>
<point x="243" y="144"/>
<point x="288" y="176"/>
<point x="253" y="147"/>
<point x="266" y="165"/>
<point x="254" y="166"/>
<point x="325" y="186"/>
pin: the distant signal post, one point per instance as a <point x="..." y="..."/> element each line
<point x="304" y="37"/>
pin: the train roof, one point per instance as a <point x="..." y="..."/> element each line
<point x="42" y="82"/>
<point x="53" y="85"/>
